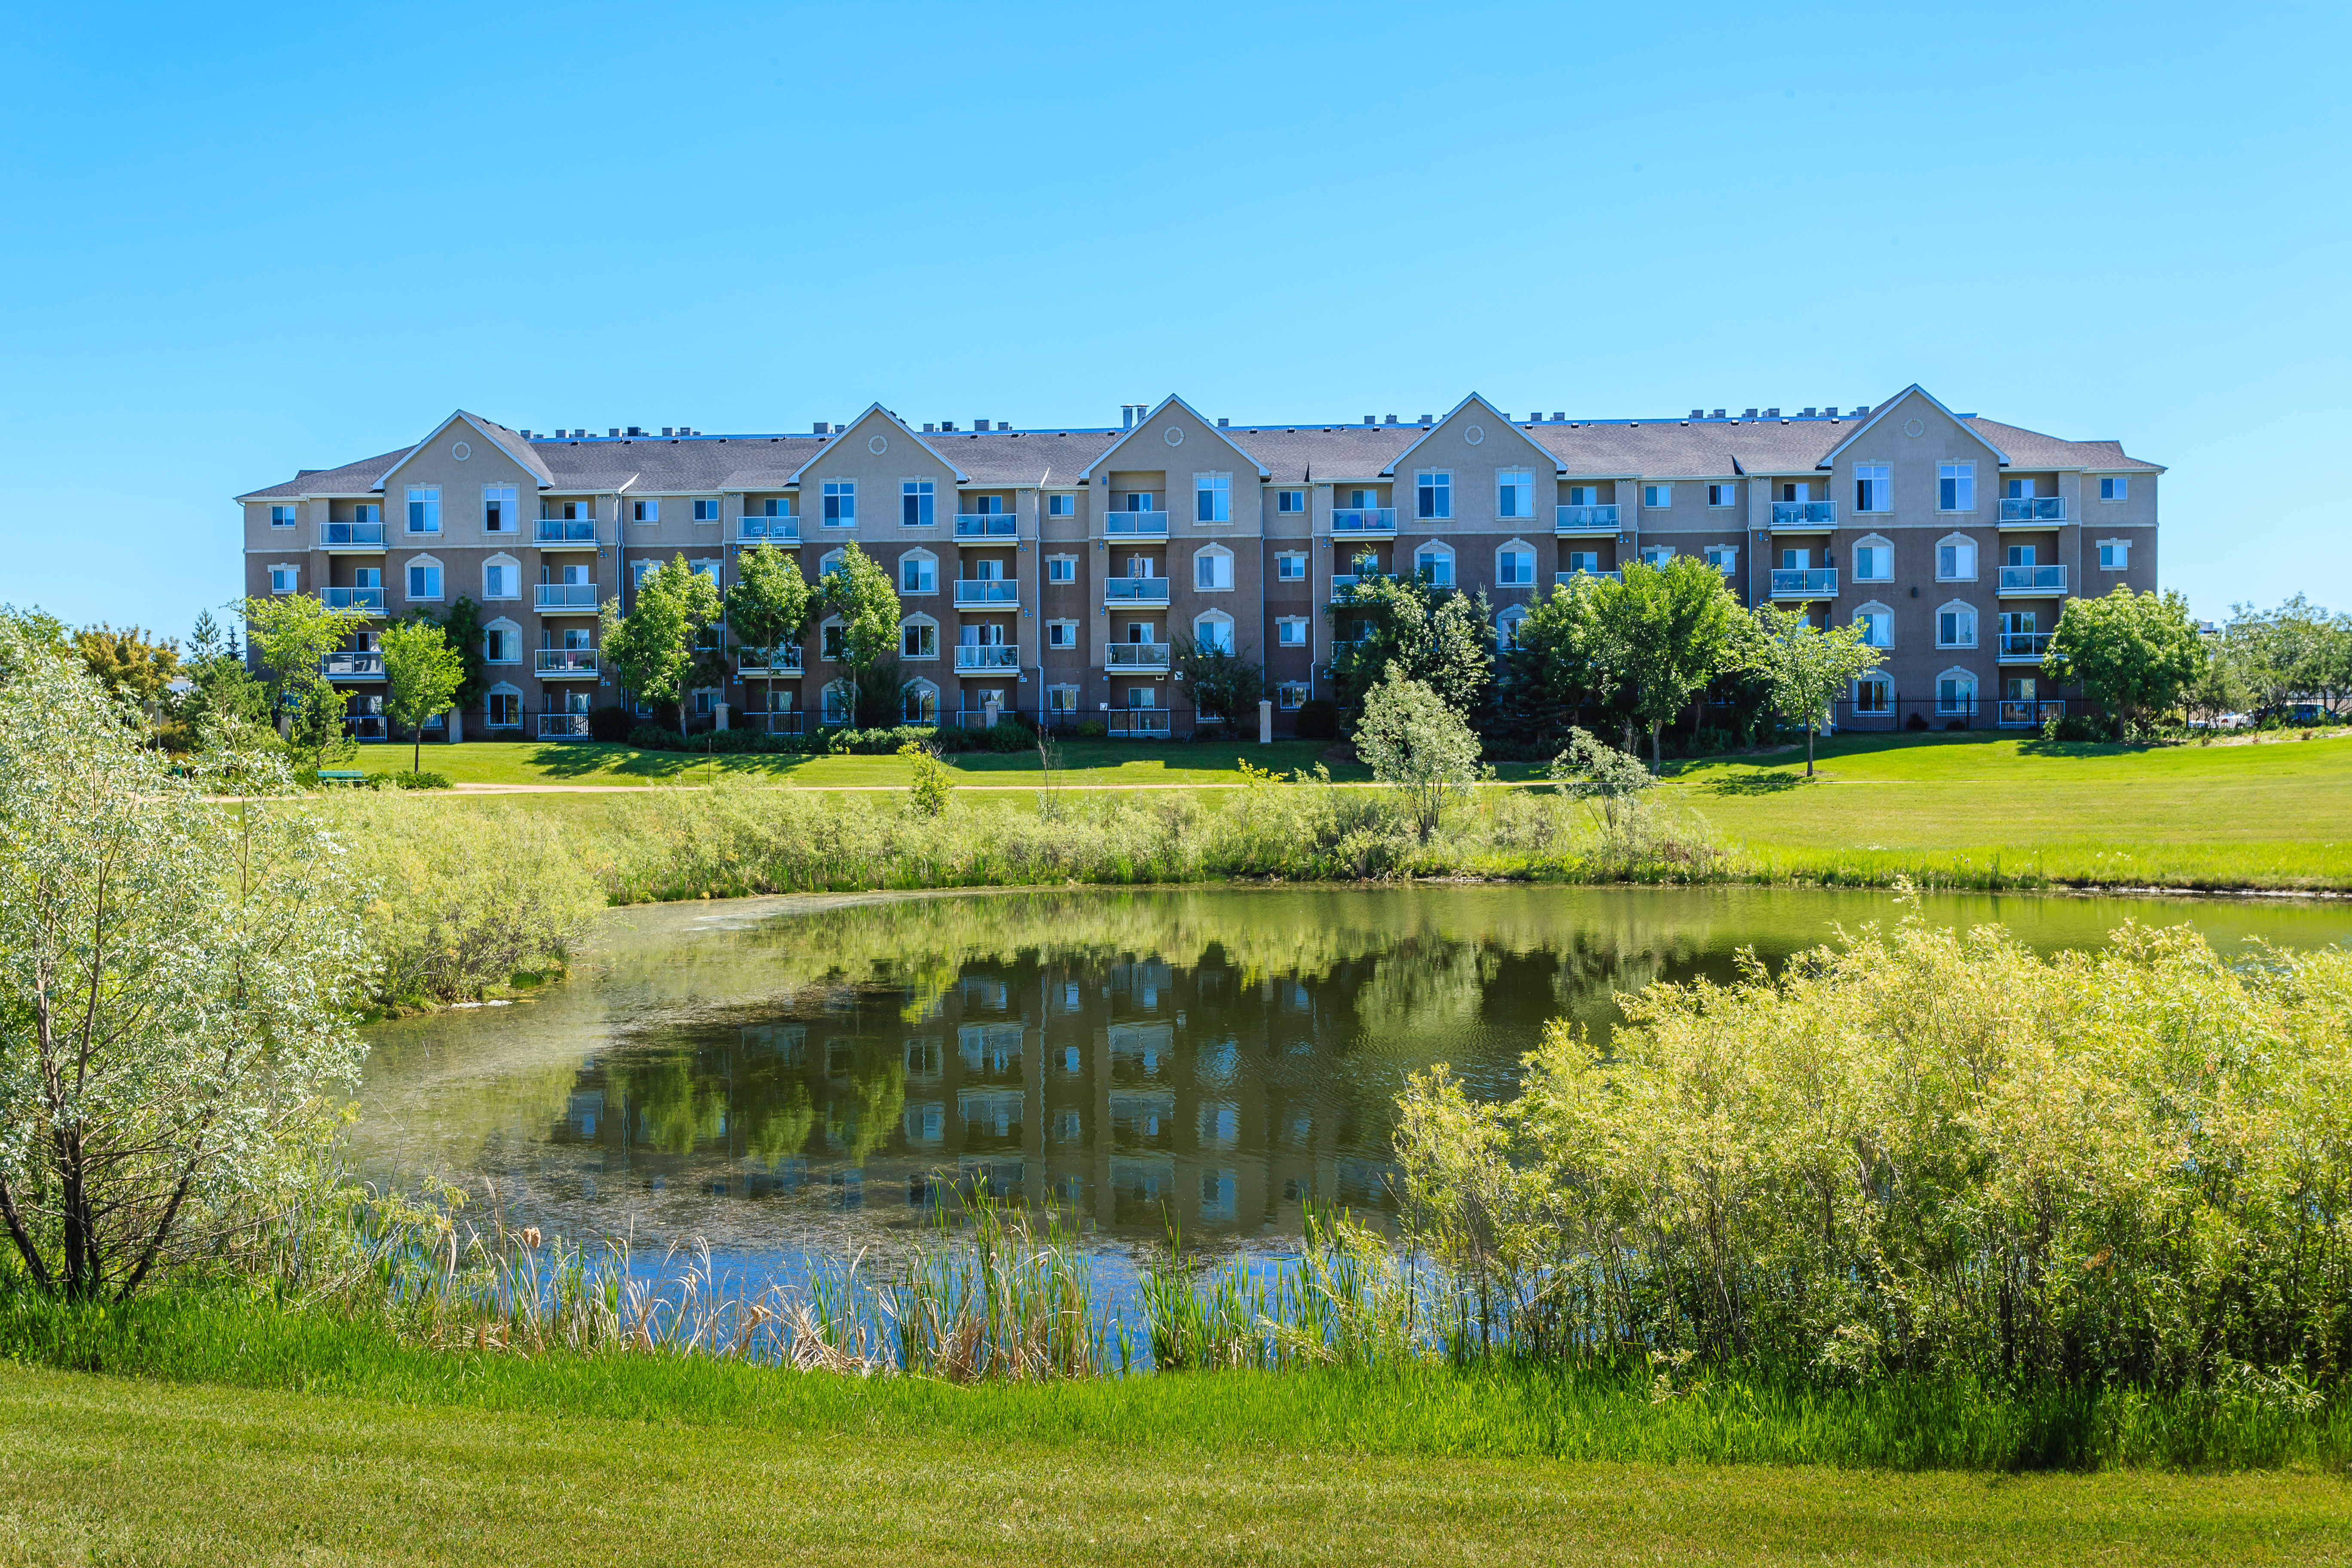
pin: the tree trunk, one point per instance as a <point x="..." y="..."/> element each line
<point x="416" y="749"/>
<point x="1656" y="766"/>
<point x="1809" y="749"/>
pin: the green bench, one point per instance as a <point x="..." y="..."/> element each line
<point x="341" y="775"/>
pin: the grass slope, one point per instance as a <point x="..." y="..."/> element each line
<point x="102" y="1468"/>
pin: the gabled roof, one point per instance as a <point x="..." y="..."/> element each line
<point x="904" y="429"/>
<point x="1440" y="424"/>
<point x="2031" y="449"/>
<point x="1209" y="424"/>
<point x="1889" y="407"/>
<point x="510" y="442"/>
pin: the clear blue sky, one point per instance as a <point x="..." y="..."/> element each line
<point x="243" y="243"/>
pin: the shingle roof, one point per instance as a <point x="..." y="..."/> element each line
<point x="2031" y="449"/>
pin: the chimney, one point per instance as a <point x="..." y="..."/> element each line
<point x="1127" y="415"/>
<point x="1830" y="412"/>
<point x="1860" y="410"/>
<point x="1369" y="420"/>
<point x="930" y="429"/>
<point x="979" y="424"/>
<point x="947" y="427"/>
<point x="1807" y="414"/>
<point x="1772" y="414"/>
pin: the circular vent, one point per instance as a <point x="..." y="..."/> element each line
<point x="461" y="451"/>
<point x="878" y="445"/>
<point x="1175" y="436"/>
<point x="1476" y="434"/>
<point x="1913" y="428"/>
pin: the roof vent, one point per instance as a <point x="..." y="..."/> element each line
<point x="979" y="424"/>
<point x="1830" y="412"/>
<point x="1750" y="414"/>
<point x="1369" y="420"/>
<point x="1224" y="424"/>
<point x="670" y="430"/>
<point x="637" y="430"/>
<point x="1392" y="419"/>
<point x="1860" y="410"/>
<point x="1698" y="413"/>
<point x="1772" y="414"/>
<point x="613" y="430"/>
<point x="930" y="429"/>
<point x="1428" y="419"/>
<point x="947" y="425"/>
<point x="1558" y="418"/>
<point x="820" y="428"/>
<point x="1807" y="414"/>
<point x="1719" y="414"/>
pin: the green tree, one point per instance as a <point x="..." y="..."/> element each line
<point x="1417" y="743"/>
<point x="932" y="786"/>
<point x="177" y="983"/>
<point x="857" y="589"/>
<point x="422" y="674"/>
<point x="223" y="697"/>
<point x="1442" y="637"/>
<point x="2133" y="653"/>
<point x="462" y="627"/>
<point x="768" y="603"/>
<point x="654" y="648"/>
<point x="1224" y="684"/>
<point x="1664" y="632"/>
<point x="292" y="634"/>
<point x="129" y="661"/>
<point x="1561" y="660"/>
<point x="35" y="631"/>
<point x="2296" y="651"/>
<point x="1806" y="665"/>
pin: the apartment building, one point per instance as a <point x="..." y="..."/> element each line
<point x="1050" y="571"/>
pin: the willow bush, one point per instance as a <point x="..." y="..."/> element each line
<point x="1924" y="1152"/>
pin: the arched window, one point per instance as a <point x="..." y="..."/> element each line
<point x="919" y="637"/>
<point x="1873" y="696"/>
<point x="1955" y="694"/>
<point x="501" y="578"/>
<point x="828" y="563"/>
<point x="1506" y="627"/>
<point x="1956" y="559"/>
<point x="1433" y="565"/>
<point x="505" y="707"/>
<point x="1874" y="559"/>
<point x="920" y="703"/>
<point x="1877" y="624"/>
<point x="1212" y="570"/>
<point x="1956" y="624"/>
<point x="919" y="573"/>
<point x="502" y="642"/>
<point x="1515" y="564"/>
<point x="1213" y="630"/>
<point x="829" y="637"/>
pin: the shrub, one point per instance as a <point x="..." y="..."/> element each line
<point x="419" y="781"/>
<point x="932" y="786"/>
<point x="610" y="723"/>
<point x="1092" y="728"/>
<point x="1318" y="720"/>
<point x="2072" y="727"/>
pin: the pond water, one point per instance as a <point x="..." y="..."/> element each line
<point x="783" y="1076"/>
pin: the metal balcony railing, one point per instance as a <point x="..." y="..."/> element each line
<point x="767" y="530"/>
<point x="2033" y="579"/>
<point x="563" y="727"/>
<point x="557" y="663"/>
<point x="369" y="599"/>
<point x="2024" y="646"/>
<point x="987" y="656"/>
<point x="1135" y="590"/>
<point x="984" y="525"/>
<point x="351" y="666"/>
<point x="564" y="595"/>
<point x="1135" y="722"/>
<point x="562" y="531"/>
<point x="351" y="536"/>
<point x="2022" y="713"/>
<point x="364" y="726"/>
<point x="2032" y="508"/>
<point x="1138" y="656"/>
<point x="987" y="591"/>
<point x="1363" y="519"/>
<point x="1585" y="519"/>
<point x="1804" y="582"/>
<point x="767" y="660"/>
<point x="1803" y="513"/>
<point x="1136" y="524"/>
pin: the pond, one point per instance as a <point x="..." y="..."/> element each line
<point x="783" y="1078"/>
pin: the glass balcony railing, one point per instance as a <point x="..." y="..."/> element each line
<point x="2033" y="579"/>
<point x="983" y="525"/>
<point x="1562" y="579"/>
<point x="364" y="726"/>
<point x="1138" y="656"/>
<point x="2024" y="645"/>
<point x="1136" y="524"/>
<point x="987" y="591"/>
<point x="2032" y="508"/>
<point x="564" y="595"/>
<point x="1803" y="513"/>
<point x="767" y="529"/>
<point x="369" y="599"/>
<point x="1364" y="520"/>
<point x="559" y="530"/>
<point x="1804" y="582"/>
<point x="766" y="661"/>
<point x="352" y="667"/>
<point x="559" y="662"/>
<point x="1132" y="722"/>
<point x="1135" y="590"/>
<point x="563" y="726"/>
<point x="990" y="656"/>
<point x="351" y="536"/>
<point x="1586" y="519"/>
<point x="1342" y="585"/>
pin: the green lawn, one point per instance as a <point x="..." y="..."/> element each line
<point x="1088" y="762"/>
<point x="100" y="1468"/>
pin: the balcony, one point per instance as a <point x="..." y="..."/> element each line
<point x="351" y="666"/>
<point x="1134" y="591"/>
<point x="987" y="593"/>
<point x="1804" y="582"/>
<point x="2031" y="512"/>
<point x="1136" y="525"/>
<point x="767" y="661"/>
<point x="564" y="663"/>
<point x="1343" y="584"/>
<point x="1137" y="656"/>
<point x="563" y="727"/>
<point x="1585" y="519"/>
<point x="2024" y="648"/>
<point x="1804" y="514"/>
<point x="787" y="722"/>
<point x="989" y="656"/>
<point x="1562" y="579"/>
<point x="2032" y="580"/>
<point x="2028" y="714"/>
<point x="759" y="530"/>
<point x="1357" y="522"/>
<point x="368" y="599"/>
<point x="363" y="536"/>
<point x="986" y="525"/>
<point x="1137" y="723"/>
<point x="579" y="598"/>
<point x="565" y="533"/>
<point x="366" y="726"/>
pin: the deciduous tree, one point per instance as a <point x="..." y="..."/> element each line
<point x="1224" y="684"/>
<point x="1807" y="666"/>
<point x="653" y="647"/>
<point x="1442" y="637"/>
<point x="857" y="589"/>
<point x="2133" y="653"/>
<point x="129" y="661"/>
<point x="1416" y="742"/>
<point x="1664" y="632"/>
<point x="768" y="603"/>
<point x="422" y="674"/>
<point x="292" y="634"/>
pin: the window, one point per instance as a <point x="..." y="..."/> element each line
<point x="1290" y="567"/>
<point x="1060" y="634"/>
<point x="1956" y="487"/>
<point x="2017" y="490"/>
<point x="920" y="704"/>
<point x="771" y="507"/>
<point x="425" y="509"/>
<point x="1213" y="571"/>
<point x="282" y="578"/>
<point x="1584" y="561"/>
<point x="1874" y="561"/>
<point x="2114" y="554"/>
<point x="1212" y="498"/>
<point x="915" y="502"/>
<point x="1432" y="491"/>
<point x="498" y="514"/>
<point x="1514" y="567"/>
<point x="282" y="516"/>
<point x="1506" y="628"/>
<point x="1290" y="631"/>
<point x="1724" y="558"/>
<point x="1061" y="506"/>
<point x="502" y="644"/>
<point x="1289" y="501"/>
<point x="1655" y="495"/>
<point x="1956" y="692"/>
<point x="1955" y="561"/>
<point x="1584" y="495"/>
<point x="831" y="641"/>
<point x="831" y="562"/>
<point x="835" y="708"/>
<point x="1515" y="494"/>
<point x="1873" y="694"/>
<point x="1062" y="700"/>
<point x="2112" y="488"/>
<point x="644" y="511"/>
<point x="2021" y="555"/>
<point x="425" y="582"/>
<point x="917" y="574"/>
<point x="1877" y="624"/>
<point x="841" y="503"/>
<point x="1290" y="696"/>
<point x="502" y="580"/>
<point x="1657" y="555"/>
<point x="506" y="709"/>
<point x="1433" y="565"/>
<point x="1214" y="632"/>
<point x="1061" y="568"/>
<point x="640" y="566"/>
<point x="1956" y="626"/>
<point x="1872" y="492"/>
<point x="1795" y="560"/>
<point x="706" y="510"/>
<point x="919" y="639"/>
<point x="707" y="569"/>
<point x="1723" y="495"/>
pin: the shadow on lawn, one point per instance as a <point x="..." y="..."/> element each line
<point x="1757" y="784"/>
